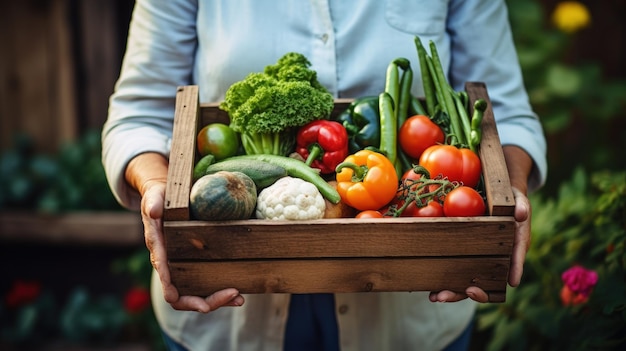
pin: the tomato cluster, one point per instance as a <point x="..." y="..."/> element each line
<point x="443" y="181"/>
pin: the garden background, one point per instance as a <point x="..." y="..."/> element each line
<point x="87" y="288"/>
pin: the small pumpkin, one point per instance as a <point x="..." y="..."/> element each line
<point x="223" y="195"/>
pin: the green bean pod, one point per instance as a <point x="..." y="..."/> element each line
<point x="388" y="126"/>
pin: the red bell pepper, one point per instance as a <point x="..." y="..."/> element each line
<point x="323" y="144"/>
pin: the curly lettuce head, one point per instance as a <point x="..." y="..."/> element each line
<point x="267" y="108"/>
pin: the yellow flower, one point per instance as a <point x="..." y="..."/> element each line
<point x="571" y="16"/>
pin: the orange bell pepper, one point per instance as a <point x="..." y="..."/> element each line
<point x="366" y="180"/>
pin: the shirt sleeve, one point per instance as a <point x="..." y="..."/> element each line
<point x="159" y="57"/>
<point x="483" y="50"/>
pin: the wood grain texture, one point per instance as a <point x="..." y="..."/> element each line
<point x="397" y="237"/>
<point x="182" y="154"/>
<point x="500" y="200"/>
<point x="342" y="275"/>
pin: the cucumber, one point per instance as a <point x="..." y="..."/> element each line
<point x="262" y="173"/>
<point x="295" y="168"/>
<point x="201" y="166"/>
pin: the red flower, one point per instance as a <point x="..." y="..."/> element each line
<point x="568" y="297"/>
<point x="610" y="248"/>
<point x="22" y="293"/>
<point x="578" y="284"/>
<point x="137" y="299"/>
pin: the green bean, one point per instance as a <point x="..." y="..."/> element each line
<point x="404" y="102"/>
<point x="447" y="98"/>
<point x="388" y="127"/>
<point x="427" y="82"/>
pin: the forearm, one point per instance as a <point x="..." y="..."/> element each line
<point x="519" y="165"/>
<point x="146" y="169"/>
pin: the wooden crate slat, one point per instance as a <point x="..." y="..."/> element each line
<point x="500" y="200"/>
<point x="342" y="275"/>
<point x="340" y="238"/>
<point x="182" y="154"/>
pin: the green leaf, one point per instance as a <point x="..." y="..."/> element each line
<point x="563" y="81"/>
<point x="556" y="121"/>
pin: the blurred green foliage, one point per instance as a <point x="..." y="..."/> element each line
<point x="586" y="225"/>
<point x="579" y="217"/>
<point x="72" y="179"/>
<point x="581" y="109"/>
<point x="84" y="318"/>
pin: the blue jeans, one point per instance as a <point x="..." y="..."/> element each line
<point x="170" y="344"/>
<point x="462" y="343"/>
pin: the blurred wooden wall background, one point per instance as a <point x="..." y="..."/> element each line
<point x="59" y="61"/>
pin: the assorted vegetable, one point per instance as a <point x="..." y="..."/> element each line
<point x="456" y="164"/>
<point x="362" y="123"/>
<point x="442" y="99"/>
<point x="463" y="201"/>
<point x="366" y="180"/>
<point x="417" y="134"/>
<point x="223" y="196"/>
<point x="323" y="144"/>
<point x="267" y="108"/>
<point x="298" y="169"/>
<point x="290" y="199"/>
<point x="219" y="140"/>
<point x="262" y="173"/>
<point x="393" y="104"/>
<point x="390" y="155"/>
<point x="200" y="168"/>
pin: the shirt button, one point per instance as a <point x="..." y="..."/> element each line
<point x="343" y="309"/>
<point x="324" y="38"/>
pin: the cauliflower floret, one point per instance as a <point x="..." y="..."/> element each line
<point x="290" y="198"/>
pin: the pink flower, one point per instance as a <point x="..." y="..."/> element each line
<point x="578" y="284"/>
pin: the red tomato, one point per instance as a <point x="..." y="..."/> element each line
<point x="410" y="178"/>
<point x="410" y="174"/>
<point x="457" y="164"/>
<point x="433" y="209"/>
<point x="417" y="133"/>
<point x="369" y="214"/>
<point x="463" y="202"/>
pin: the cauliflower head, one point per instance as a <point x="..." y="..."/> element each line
<point x="290" y="198"/>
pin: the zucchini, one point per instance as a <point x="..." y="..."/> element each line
<point x="200" y="167"/>
<point x="263" y="173"/>
<point x="295" y="168"/>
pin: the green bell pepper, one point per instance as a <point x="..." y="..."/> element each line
<point x="362" y="122"/>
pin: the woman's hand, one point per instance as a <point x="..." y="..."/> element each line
<point x="519" y="166"/>
<point x="148" y="173"/>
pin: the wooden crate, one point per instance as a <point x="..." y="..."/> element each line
<point x="335" y="255"/>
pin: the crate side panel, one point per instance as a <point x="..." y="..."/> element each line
<point x="341" y="276"/>
<point x="253" y="239"/>
<point x="182" y="154"/>
<point x="211" y="113"/>
<point x="497" y="183"/>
